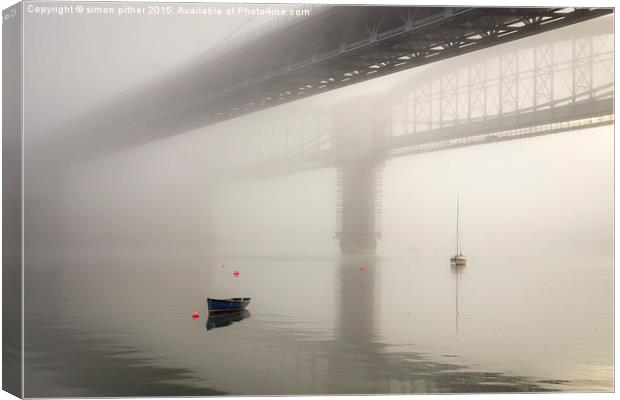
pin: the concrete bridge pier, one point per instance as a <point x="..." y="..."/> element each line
<point x="359" y="206"/>
<point x="358" y="147"/>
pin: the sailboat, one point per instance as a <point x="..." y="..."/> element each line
<point x="458" y="258"/>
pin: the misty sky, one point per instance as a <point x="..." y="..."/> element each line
<point x="520" y="197"/>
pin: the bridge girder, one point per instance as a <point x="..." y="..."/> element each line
<point x="336" y="47"/>
<point x="563" y="83"/>
<point x="356" y="43"/>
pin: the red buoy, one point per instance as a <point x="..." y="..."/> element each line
<point x="362" y="268"/>
<point x="195" y="314"/>
<point x="236" y="274"/>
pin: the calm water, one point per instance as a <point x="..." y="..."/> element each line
<point x="119" y="323"/>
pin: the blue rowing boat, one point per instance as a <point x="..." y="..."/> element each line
<point x="224" y="305"/>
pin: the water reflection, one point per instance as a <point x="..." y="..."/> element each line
<point x="220" y="320"/>
<point x="359" y="362"/>
<point x="457" y="270"/>
<point x="338" y="340"/>
<point x="63" y="361"/>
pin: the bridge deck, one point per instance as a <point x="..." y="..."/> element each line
<point x="337" y="47"/>
<point x="333" y="48"/>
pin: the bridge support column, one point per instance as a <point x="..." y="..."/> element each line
<point x="359" y="206"/>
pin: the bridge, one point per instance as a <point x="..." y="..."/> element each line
<point x="564" y="83"/>
<point x="336" y="47"/>
<point x="333" y="47"/>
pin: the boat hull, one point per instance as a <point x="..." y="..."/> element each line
<point x="227" y="305"/>
<point x="458" y="260"/>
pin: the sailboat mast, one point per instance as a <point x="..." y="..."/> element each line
<point x="457" y="224"/>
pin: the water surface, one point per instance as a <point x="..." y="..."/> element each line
<point x="119" y="323"/>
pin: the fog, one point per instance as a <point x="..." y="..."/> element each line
<point x="129" y="225"/>
<point x="542" y="195"/>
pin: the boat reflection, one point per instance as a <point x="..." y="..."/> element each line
<point x="457" y="270"/>
<point x="220" y="320"/>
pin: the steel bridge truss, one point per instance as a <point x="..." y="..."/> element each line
<point x="535" y="90"/>
<point x="337" y="47"/>
<point x="561" y="85"/>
